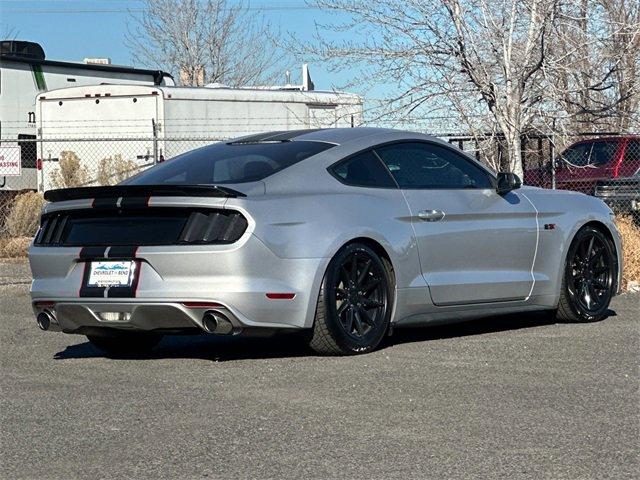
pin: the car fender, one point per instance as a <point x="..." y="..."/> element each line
<point x="561" y="214"/>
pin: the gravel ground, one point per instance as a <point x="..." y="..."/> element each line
<point x="506" y="397"/>
<point x="14" y="272"/>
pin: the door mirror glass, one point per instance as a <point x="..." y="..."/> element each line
<point x="508" y="181"/>
<point x="558" y="163"/>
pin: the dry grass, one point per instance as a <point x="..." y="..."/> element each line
<point x="69" y="172"/>
<point x="113" y="170"/>
<point x="24" y="215"/>
<point x="630" y="232"/>
<point x="14" y="247"/>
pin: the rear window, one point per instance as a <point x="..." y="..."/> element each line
<point x="228" y="163"/>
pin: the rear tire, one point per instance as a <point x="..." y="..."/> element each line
<point x="355" y="303"/>
<point x="589" y="278"/>
<point x="123" y="344"/>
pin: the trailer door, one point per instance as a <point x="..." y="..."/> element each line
<point x="322" y="116"/>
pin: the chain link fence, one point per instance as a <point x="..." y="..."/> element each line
<point x="605" y="165"/>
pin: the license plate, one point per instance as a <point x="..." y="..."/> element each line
<point x="111" y="274"/>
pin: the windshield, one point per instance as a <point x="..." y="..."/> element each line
<point x="228" y="163"/>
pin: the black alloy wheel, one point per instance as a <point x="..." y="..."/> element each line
<point x="355" y="302"/>
<point x="360" y="296"/>
<point x="590" y="277"/>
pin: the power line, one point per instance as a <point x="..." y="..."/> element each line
<point x="134" y="10"/>
<point x="251" y="4"/>
<point x="121" y="9"/>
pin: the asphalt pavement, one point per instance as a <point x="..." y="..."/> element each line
<point x="506" y="397"/>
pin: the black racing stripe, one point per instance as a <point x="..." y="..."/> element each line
<point x="92" y="292"/>
<point x="134" y="202"/>
<point x="289" y="135"/>
<point x="85" y="291"/>
<point x="122" y="252"/>
<point x="120" y="292"/>
<point x="104" y="203"/>
<point x="277" y="136"/>
<point x="91" y="253"/>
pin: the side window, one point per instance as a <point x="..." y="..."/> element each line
<point x="591" y="154"/>
<point x="577" y="155"/>
<point x="423" y="165"/>
<point x="363" y="170"/>
<point x="603" y="152"/>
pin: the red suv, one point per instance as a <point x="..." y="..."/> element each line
<point x="586" y="162"/>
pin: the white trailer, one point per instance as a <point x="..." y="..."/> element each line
<point x="25" y="73"/>
<point x="148" y="124"/>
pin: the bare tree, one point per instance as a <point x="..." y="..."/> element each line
<point x="206" y="41"/>
<point x="501" y="68"/>
<point x="479" y="59"/>
<point x="594" y="65"/>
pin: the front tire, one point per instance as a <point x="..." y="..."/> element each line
<point x="589" y="279"/>
<point x="125" y="344"/>
<point x="355" y="303"/>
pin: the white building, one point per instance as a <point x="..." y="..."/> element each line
<point x="25" y="73"/>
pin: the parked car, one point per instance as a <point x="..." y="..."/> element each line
<point x="584" y="163"/>
<point x="342" y="233"/>
<point x="622" y="194"/>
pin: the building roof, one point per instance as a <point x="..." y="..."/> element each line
<point x="157" y="75"/>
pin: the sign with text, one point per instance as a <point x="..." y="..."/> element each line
<point x="10" y="164"/>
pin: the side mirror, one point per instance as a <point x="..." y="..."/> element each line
<point x="558" y="163"/>
<point x="507" y="181"/>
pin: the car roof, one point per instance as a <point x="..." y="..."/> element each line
<point x="336" y="136"/>
<point x="621" y="138"/>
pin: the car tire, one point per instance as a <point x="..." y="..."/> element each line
<point x="355" y="303"/>
<point x="125" y="344"/>
<point x="589" y="277"/>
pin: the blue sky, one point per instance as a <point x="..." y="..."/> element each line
<point x="74" y="29"/>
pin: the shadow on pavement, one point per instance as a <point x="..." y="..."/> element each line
<point x="217" y="348"/>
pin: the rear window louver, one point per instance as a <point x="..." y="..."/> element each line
<point x="151" y="226"/>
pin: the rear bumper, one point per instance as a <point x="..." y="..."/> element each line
<point x="237" y="278"/>
<point x="80" y="317"/>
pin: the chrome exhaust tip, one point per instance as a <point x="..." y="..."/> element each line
<point x="44" y="320"/>
<point x="216" y="322"/>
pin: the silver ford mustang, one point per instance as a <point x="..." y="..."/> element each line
<point x="343" y="233"/>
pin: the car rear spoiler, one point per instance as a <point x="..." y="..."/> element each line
<point x="117" y="191"/>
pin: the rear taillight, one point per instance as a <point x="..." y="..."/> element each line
<point x="223" y="226"/>
<point x="140" y="227"/>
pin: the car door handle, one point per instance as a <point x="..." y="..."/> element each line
<point x="430" y="215"/>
